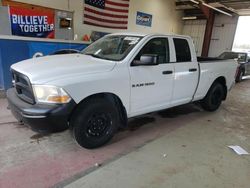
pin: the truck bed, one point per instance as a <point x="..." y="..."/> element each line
<point x="211" y="68"/>
<point x="208" y="59"/>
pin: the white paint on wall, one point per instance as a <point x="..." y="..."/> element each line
<point x="195" y="29"/>
<point x="165" y="18"/>
<point x="55" y="4"/>
<point x="223" y="34"/>
<point x="4" y="21"/>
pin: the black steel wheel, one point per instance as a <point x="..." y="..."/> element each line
<point x="98" y="124"/>
<point x="94" y="123"/>
<point x="214" y="97"/>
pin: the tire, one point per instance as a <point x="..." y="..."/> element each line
<point x="214" y="97"/>
<point x="239" y="76"/>
<point x="94" y="123"/>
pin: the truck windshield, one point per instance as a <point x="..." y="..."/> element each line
<point x="112" y="47"/>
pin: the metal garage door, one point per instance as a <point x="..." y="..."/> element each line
<point x="223" y="34"/>
<point x="195" y="29"/>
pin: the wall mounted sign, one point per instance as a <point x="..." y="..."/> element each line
<point x="144" y="19"/>
<point x="32" y="23"/>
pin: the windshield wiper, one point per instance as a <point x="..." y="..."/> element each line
<point x="97" y="56"/>
<point x="94" y="55"/>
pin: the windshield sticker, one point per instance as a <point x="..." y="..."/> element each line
<point x="133" y="40"/>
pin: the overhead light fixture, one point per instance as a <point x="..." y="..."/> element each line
<point x="216" y="9"/>
<point x="189" y="18"/>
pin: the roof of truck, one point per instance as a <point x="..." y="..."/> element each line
<point x="130" y="33"/>
<point x="149" y="34"/>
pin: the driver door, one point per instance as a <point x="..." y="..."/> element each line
<point x="152" y="85"/>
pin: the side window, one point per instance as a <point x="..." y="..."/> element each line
<point x="182" y="50"/>
<point x="157" y="46"/>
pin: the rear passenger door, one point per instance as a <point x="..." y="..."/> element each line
<point x="186" y="72"/>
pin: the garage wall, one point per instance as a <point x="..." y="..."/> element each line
<point x="223" y="34"/>
<point x="56" y="4"/>
<point x="222" y="37"/>
<point x="4" y="21"/>
<point x="195" y="29"/>
<point x="165" y="18"/>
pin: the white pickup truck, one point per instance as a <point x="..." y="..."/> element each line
<point x="117" y="77"/>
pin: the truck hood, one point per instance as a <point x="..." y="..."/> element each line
<point x="45" y="69"/>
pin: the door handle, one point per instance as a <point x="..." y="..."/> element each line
<point x="167" y="72"/>
<point x="193" y="70"/>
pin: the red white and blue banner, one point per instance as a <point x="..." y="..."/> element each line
<point x="32" y="23"/>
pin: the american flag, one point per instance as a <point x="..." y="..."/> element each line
<point x="106" y="13"/>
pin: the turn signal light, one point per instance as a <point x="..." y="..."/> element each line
<point x="58" y="99"/>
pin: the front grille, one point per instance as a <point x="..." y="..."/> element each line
<point x="23" y="87"/>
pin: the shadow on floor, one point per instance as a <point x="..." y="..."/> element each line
<point x="179" y="110"/>
<point x="134" y="123"/>
<point x="138" y="122"/>
<point x="36" y="138"/>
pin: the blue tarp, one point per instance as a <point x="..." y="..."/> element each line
<point x="13" y="51"/>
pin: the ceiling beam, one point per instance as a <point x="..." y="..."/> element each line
<point x="216" y="9"/>
<point x="227" y="1"/>
<point x="219" y="5"/>
<point x="206" y="11"/>
<point x="201" y="2"/>
<point x="209" y="13"/>
<point x="182" y="5"/>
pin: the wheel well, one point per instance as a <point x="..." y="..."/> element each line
<point x="222" y="81"/>
<point x="111" y="98"/>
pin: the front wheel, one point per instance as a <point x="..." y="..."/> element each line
<point x="214" y="97"/>
<point x="94" y="123"/>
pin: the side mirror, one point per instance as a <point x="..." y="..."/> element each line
<point x="147" y="60"/>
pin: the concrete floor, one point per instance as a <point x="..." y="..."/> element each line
<point x="179" y="147"/>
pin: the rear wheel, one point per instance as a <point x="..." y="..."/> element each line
<point x="239" y="76"/>
<point x="94" y="123"/>
<point x="214" y="97"/>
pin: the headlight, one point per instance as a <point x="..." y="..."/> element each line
<point x="50" y="94"/>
